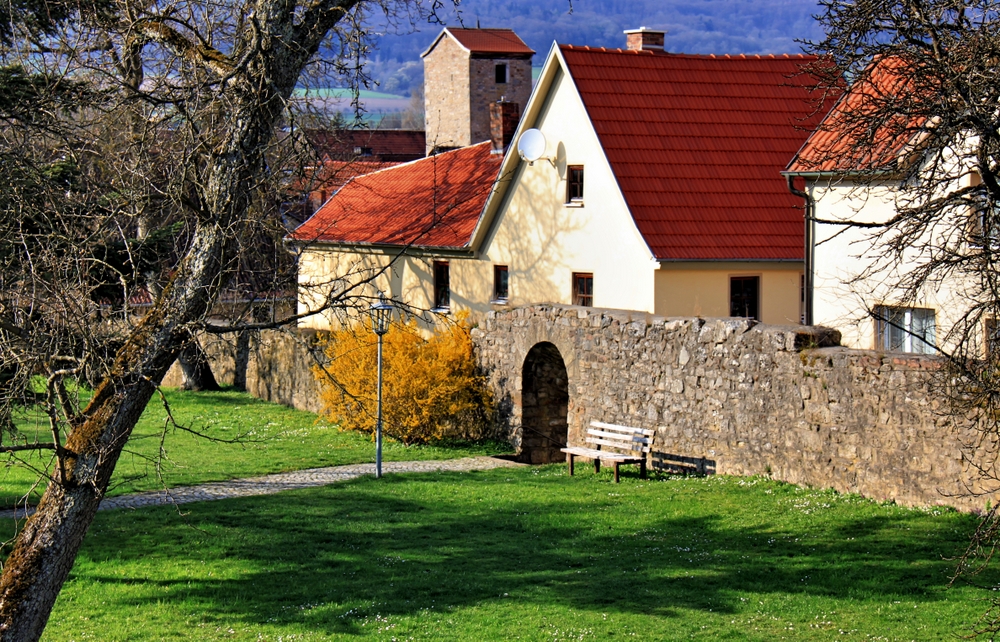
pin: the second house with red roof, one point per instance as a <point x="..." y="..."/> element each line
<point x="645" y="181"/>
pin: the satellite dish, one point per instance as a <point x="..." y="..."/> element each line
<point x="531" y="145"/>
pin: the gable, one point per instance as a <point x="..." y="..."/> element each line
<point x="697" y="144"/>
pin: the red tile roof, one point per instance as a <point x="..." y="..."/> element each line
<point x="698" y="143"/>
<point x="374" y="145"/>
<point x="490" y="41"/>
<point x="433" y="202"/>
<point x="845" y="142"/>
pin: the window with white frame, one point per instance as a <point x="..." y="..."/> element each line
<point x="902" y="329"/>
<point x="574" y="184"/>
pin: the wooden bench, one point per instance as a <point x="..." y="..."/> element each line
<point x="628" y="446"/>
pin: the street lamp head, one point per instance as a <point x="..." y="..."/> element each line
<point x="381" y="314"/>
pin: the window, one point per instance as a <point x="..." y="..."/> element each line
<point x="574" y="184"/>
<point x="904" y="329"/>
<point x="583" y="288"/>
<point x="501" y="73"/>
<point x="500" y="283"/>
<point x="744" y="297"/>
<point x="442" y="286"/>
<point x="362" y="151"/>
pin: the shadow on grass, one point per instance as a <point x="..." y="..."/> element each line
<point x="335" y="555"/>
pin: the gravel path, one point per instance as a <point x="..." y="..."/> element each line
<point x="270" y="484"/>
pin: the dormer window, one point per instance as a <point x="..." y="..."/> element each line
<point x="501" y="73"/>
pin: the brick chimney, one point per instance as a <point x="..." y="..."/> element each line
<point x="504" y="117"/>
<point x="644" y="39"/>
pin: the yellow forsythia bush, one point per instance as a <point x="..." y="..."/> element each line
<point x="431" y="389"/>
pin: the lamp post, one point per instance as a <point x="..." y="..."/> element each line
<point x="381" y="314"/>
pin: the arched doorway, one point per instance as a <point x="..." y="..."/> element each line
<point x="544" y="405"/>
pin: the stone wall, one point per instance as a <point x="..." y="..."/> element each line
<point x="724" y="395"/>
<point x="728" y="396"/>
<point x="279" y="369"/>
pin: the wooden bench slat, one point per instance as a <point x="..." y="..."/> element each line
<point x="628" y="429"/>
<point x="590" y="453"/>
<point x="618" y="444"/>
<point x="624" y="439"/>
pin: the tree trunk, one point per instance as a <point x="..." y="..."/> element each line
<point x="196" y="371"/>
<point x="272" y="50"/>
<point x="47" y="546"/>
<point x="243" y="341"/>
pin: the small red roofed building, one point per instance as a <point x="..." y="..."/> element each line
<point x="655" y="185"/>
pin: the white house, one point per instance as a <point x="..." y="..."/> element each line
<point x="657" y="187"/>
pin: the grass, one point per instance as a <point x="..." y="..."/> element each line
<point x="526" y="554"/>
<point x="270" y="438"/>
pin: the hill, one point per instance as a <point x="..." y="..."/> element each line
<point x="693" y="26"/>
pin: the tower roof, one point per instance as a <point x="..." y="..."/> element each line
<point x="486" y="43"/>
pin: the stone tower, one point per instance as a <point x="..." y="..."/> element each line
<point x="465" y="70"/>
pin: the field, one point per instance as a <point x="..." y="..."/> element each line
<point x="525" y="553"/>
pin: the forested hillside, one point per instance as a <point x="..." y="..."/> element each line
<point x="693" y="26"/>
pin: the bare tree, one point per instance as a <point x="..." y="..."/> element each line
<point x="164" y="187"/>
<point x="920" y="119"/>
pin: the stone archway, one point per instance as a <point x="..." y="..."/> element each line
<point x="544" y="405"/>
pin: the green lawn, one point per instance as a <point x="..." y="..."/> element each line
<point x="270" y="438"/>
<point x="526" y="554"/>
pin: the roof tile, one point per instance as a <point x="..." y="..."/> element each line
<point x="845" y="140"/>
<point x="490" y="41"/>
<point x="698" y="143"/>
<point x="431" y="202"/>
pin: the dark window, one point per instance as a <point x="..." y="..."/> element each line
<point x="362" y="151"/>
<point x="574" y="183"/>
<point x="500" y="288"/>
<point x="501" y="70"/>
<point x="583" y="288"/>
<point x="744" y="297"/>
<point x="905" y="329"/>
<point x="442" y="285"/>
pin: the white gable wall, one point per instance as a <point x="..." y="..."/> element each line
<point x="544" y="240"/>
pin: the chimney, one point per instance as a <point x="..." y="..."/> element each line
<point x="504" y="117"/>
<point x="644" y="39"/>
